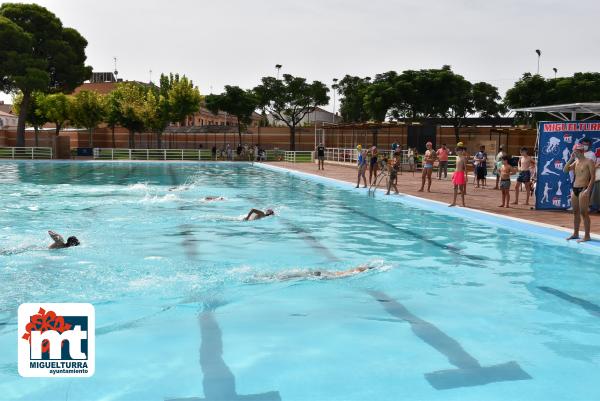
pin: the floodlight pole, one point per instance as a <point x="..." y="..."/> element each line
<point x="334" y="87"/>
<point x="539" y="53"/>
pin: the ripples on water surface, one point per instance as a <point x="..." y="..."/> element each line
<point x="168" y="271"/>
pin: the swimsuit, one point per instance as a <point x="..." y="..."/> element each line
<point x="578" y="190"/>
<point x="505" y="183"/>
<point x="428" y="165"/>
<point x="373" y="161"/>
<point x="524" y="176"/>
<point x="458" y="178"/>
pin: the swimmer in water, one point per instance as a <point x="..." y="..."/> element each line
<point x="213" y="198"/>
<point x="59" y="242"/>
<point x="323" y="275"/>
<point x="256" y="214"/>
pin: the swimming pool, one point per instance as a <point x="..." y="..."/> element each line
<point x="190" y="300"/>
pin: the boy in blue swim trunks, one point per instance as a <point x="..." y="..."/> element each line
<point x="525" y="165"/>
<point x="428" y="160"/>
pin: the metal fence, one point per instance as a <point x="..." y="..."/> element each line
<point x="152" y="154"/>
<point x="299" y="156"/>
<point x="26" y="153"/>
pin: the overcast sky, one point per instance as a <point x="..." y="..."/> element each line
<point x="237" y="42"/>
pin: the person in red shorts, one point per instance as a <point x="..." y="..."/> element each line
<point x="459" y="178"/>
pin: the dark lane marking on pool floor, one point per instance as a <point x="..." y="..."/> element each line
<point x="304" y="233"/>
<point x="412" y="233"/>
<point x="469" y="372"/>
<point x="415" y="234"/>
<point x="218" y="381"/>
<point x="309" y="239"/>
<point x="590" y="307"/>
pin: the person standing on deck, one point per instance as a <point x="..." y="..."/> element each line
<point x="481" y="166"/>
<point x="411" y="159"/>
<point x="459" y="178"/>
<point x="525" y="165"/>
<point x="498" y="162"/>
<point x="442" y="154"/>
<point x="428" y="160"/>
<point x="362" y="167"/>
<point x="504" y="173"/>
<point x="321" y="156"/>
<point x="395" y="168"/>
<point x="585" y="172"/>
<point x="373" y="165"/>
<point x="595" y="192"/>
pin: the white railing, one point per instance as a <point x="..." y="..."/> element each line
<point x="152" y="154"/>
<point x="341" y="155"/>
<point x="26" y="153"/>
<point x="299" y="156"/>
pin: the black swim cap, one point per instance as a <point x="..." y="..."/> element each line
<point x="72" y="241"/>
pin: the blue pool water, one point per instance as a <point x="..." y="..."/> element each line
<point x="190" y="300"/>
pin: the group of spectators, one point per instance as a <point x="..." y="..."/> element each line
<point x="243" y="152"/>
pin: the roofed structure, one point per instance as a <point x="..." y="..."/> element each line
<point x="565" y="112"/>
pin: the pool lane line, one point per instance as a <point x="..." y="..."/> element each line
<point x="173" y="176"/>
<point x="310" y="239"/>
<point x="131" y="324"/>
<point x="449" y="248"/>
<point x="589" y="307"/>
<point x="218" y="382"/>
<point x="304" y="233"/>
<point x="189" y="243"/>
<point x="514" y="224"/>
<point x="469" y="371"/>
<point x="411" y="233"/>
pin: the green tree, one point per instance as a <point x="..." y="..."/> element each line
<point x="38" y="54"/>
<point x="353" y="90"/>
<point x="88" y="109"/>
<point x="35" y="116"/>
<point x="128" y="100"/>
<point x="156" y="114"/>
<point x="183" y="98"/>
<point x="381" y="96"/>
<point x="113" y="112"/>
<point x="487" y="101"/>
<point x="56" y="107"/>
<point x="237" y="102"/>
<point x="290" y="99"/>
<point x="529" y="91"/>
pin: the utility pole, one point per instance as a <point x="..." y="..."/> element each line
<point x="334" y="87"/>
<point x="539" y="53"/>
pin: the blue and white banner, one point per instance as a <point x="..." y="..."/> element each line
<point x="556" y="141"/>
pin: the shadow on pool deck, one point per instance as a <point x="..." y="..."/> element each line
<point x="469" y="372"/>
<point x="218" y="381"/>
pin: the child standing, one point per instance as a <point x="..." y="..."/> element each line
<point x="362" y="167"/>
<point x="505" y="171"/>
<point x="393" y="180"/>
<point x="459" y="178"/>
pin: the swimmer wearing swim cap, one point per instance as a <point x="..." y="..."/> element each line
<point x="256" y="214"/>
<point x="59" y="242"/>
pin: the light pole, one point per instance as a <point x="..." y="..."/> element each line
<point x="555" y="71"/>
<point x="539" y="53"/>
<point x="116" y="71"/>
<point x="334" y="87"/>
<point x="278" y="67"/>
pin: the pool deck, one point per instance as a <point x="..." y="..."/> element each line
<point x="485" y="199"/>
